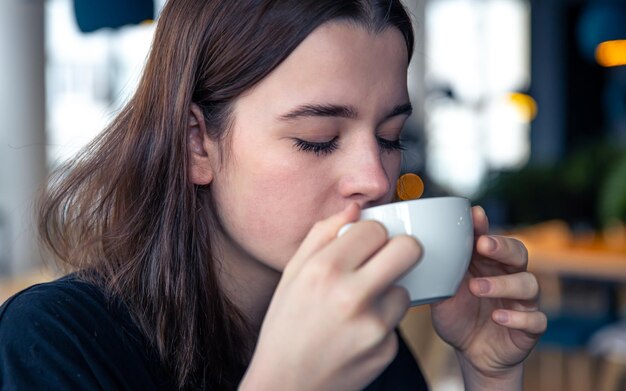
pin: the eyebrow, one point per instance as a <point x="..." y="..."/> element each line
<point x="402" y="109"/>
<point x="320" y="110"/>
<point x="330" y="110"/>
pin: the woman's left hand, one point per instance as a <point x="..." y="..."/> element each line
<point x="493" y="321"/>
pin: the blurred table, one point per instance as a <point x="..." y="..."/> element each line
<point x="601" y="264"/>
<point x="554" y="249"/>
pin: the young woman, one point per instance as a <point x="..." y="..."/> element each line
<point x="201" y="226"/>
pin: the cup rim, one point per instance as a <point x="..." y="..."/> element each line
<point x="421" y="200"/>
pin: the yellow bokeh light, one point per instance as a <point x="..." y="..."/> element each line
<point x="525" y="105"/>
<point x="611" y="53"/>
<point x="409" y="187"/>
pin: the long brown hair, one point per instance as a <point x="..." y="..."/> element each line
<point x="125" y="209"/>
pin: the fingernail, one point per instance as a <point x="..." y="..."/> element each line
<point x="501" y="317"/>
<point x="484" y="286"/>
<point x="343" y="229"/>
<point x="491" y="244"/>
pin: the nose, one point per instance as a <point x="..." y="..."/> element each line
<point x="366" y="173"/>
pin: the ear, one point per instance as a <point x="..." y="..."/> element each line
<point x="199" y="146"/>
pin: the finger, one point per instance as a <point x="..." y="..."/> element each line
<point x="519" y="286"/>
<point x="378" y="356"/>
<point x="534" y="322"/>
<point x="508" y="251"/>
<point x="322" y="233"/>
<point x="393" y="305"/>
<point x="393" y="261"/>
<point x="357" y="245"/>
<point x="384" y="315"/>
<point x="481" y="222"/>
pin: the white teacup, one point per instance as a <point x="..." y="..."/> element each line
<point x="443" y="226"/>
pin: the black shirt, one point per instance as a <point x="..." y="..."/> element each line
<point x="66" y="335"/>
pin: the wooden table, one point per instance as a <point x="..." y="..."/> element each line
<point x="554" y="249"/>
<point x="607" y="265"/>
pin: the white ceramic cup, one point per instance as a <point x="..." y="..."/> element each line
<point x="443" y="226"/>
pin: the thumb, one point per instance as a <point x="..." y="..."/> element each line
<point x="322" y="233"/>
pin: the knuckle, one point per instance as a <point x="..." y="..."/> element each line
<point x="322" y="272"/>
<point x="409" y="244"/>
<point x="376" y="229"/>
<point x="533" y="285"/>
<point x="389" y="349"/>
<point x="521" y="248"/>
<point x="384" y="353"/>
<point x="524" y="321"/>
<point x="542" y="322"/>
<point x="346" y="299"/>
<point x="403" y="296"/>
<point x="534" y="323"/>
<point x="499" y="285"/>
<point x="376" y="330"/>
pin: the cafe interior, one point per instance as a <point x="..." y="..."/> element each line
<point x="520" y="106"/>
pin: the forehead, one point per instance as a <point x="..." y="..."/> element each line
<point x="338" y="63"/>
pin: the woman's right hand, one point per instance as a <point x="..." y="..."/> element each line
<point x="331" y="322"/>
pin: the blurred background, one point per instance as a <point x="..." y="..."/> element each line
<point x="520" y="106"/>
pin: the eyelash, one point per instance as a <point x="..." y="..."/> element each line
<point x="328" y="147"/>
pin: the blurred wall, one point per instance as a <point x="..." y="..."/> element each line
<point x="414" y="159"/>
<point x="548" y="86"/>
<point x="22" y="129"/>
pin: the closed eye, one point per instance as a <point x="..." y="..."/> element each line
<point x="318" y="148"/>
<point x="327" y="147"/>
<point x="390" y="145"/>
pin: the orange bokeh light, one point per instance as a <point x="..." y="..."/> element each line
<point x="409" y="187"/>
<point x="525" y="105"/>
<point x="611" y="53"/>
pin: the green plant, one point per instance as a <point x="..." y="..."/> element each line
<point x="587" y="187"/>
<point x="612" y="201"/>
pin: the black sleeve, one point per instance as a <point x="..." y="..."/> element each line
<point x="58" y="337"/>
<point x="403" y="374"/>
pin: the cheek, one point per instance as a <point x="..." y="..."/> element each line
<point x="268" y="205"/>
<point x="392" y="164"/>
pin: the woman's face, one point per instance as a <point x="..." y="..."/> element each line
<point x="319" y="132"/>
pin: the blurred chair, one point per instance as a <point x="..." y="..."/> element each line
<point x="585" y="307"/>
<point x="609" y="345"/>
